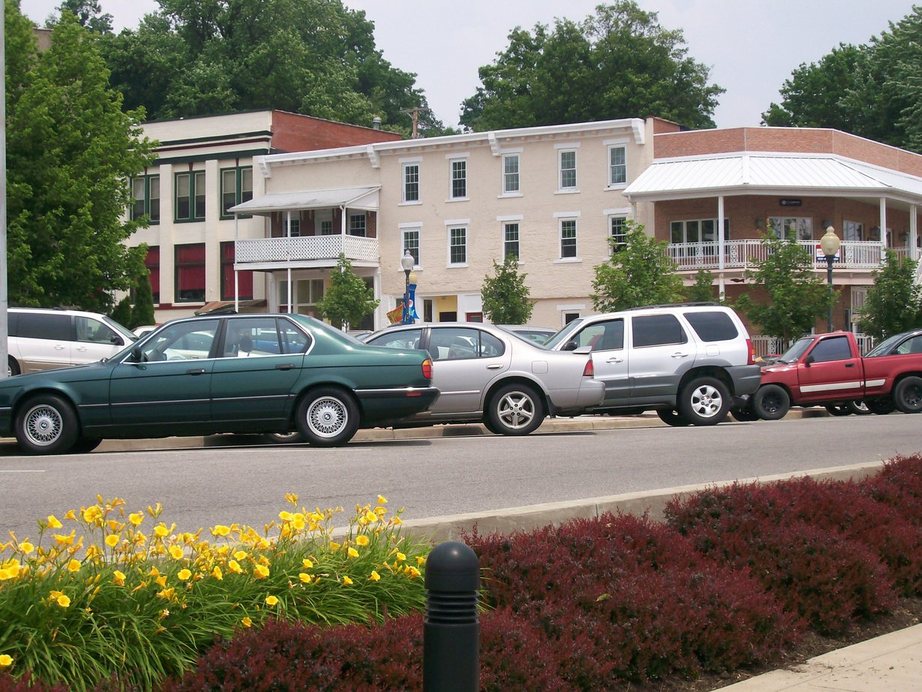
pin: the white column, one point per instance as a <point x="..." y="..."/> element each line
<point x="883" y="221"/>
<point x="913" y="233"/>
<point x="721" y="291"/>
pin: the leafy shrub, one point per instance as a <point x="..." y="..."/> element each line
<point x="899" y="485"/>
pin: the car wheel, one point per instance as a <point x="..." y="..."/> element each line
<point x="908" y="395"/>
<point x="880" y="407"/>
<point x="771" y="402"/>
<point x="744" y="415"/>
<point x="859" y="408"/>
<point x="489" y="426"/>
<point x="12" y="367"/>
<point x="328" y="417"/>
<point x="515" y="410"/>
<point x="46" y="424"/>
<point x="284" y="438"/>
<point x="85" y="444"/>
<point x="671" y="417"/>
<point x="704" y="401"/>
<point x="839" y="409"/>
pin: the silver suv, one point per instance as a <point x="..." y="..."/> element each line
<point x="43" y="339"/>
<point x="690" y="363"/>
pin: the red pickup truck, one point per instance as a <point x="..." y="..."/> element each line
<point x="828" y="370"/>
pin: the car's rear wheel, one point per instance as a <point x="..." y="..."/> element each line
<point x="515" y="409"/>
<point x="880" y="407"/>
<point x="85" y="444"/>
<point x="908" y="394"/>
<point x="704" y="401"/>
<point x="859" y="408"/>
<point x="12" y="367"/>
<point x="328" y="417"/>
<point x="284" y="438"/>
<point x="46" y="424"/>
<point x="839" y="409"/>
<point x="672" y="417"/>
<point x="744" y="415"/>
<point x="771" y="402"/>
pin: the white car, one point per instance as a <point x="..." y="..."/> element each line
<point x="485" y="374"/>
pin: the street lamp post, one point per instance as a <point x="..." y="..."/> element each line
<point x="406" y="263"/>
<point x="830" y="245"/>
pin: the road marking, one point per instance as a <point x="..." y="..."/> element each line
<point x="22" y="470"/>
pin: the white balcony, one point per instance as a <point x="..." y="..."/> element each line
<point x="305" y="251"/>
<point x="746" y="254"/>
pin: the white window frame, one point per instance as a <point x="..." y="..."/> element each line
<point x="507" y="189"/>
<point x="621" y="244"/>
<point x="804" y="225"/>
<point x="450" y="228"/>
<point x="561" y="187"/>
<point x="363" y="226"/>
<point x="852" y="230"/>
<point x="404" y="183"/>
<point x="408" y="231"/>
<point x="612" y="183"/>
<point x="567" y="219"/>
<point x="457" y="164"/>
<point x="512" y="220"/>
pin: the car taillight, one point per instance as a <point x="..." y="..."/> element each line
<point x="427" y="369"/>
<point x="752" y="352"/>
<point x="589" y="370"/>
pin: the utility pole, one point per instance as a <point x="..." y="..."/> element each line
<point x="414" y="117"/>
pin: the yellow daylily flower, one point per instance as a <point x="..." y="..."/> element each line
<point x="184" y="574"/>
<point x="5" y="660"/>
<point x="352" y="552"/>
<point x="347" y="581"/>
<point x="307" y="564"/>
<point x="217" y="573"/>
<point x="246" y="622"/>
<point x="61" y="599"/>
<point x="400" y="556"/>
<point x="374" y="576"/>
<point x="291" y="498"/>
<point x="305" y="578"/>
<point x="118" y="577"/>
<point x="26" y="548"/>
<point x="112" y="540"/>
<point x="272" y="600"/>
<point x="235" y="567"/>
<point x="240" y="555"/>
<point x="176" y="552"/>
<point x="136" y="518"/>
<point x="167" y="593"/>
<point x="260" y="571"/>
<point x="53" y="522"/>
<point x="73" y="566"/>
<point x="382" y="500"/>
<point x="334" y="546"/>
<point x="362" y="540"/>
<point x="161" y="531"/>
<point x="412" y="571"/>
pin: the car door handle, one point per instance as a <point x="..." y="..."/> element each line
<point x="679" y="354"/>
<point x="58" y="347"/>
<point x="196" y="371"/>
<point x="615" y="359"/>
<point x="849" y="365"/>
<point x="285" y="366"/>
<point x="494" y="366"/>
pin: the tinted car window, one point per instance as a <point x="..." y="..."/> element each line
<point x="835" y="348"/>
<point x="293" y="339"/>
<point x="655" y="330"/>
<point x="490" y="346"/>
<point x="913" y="345"/>
<point x="40" y="325"/>
<point x="408" y="338"/>
<point x="95" y="332"/>
<point x="251" y="336"/>
<point x="182" y="341"/>
<point x="459" y="343"/>
<point x="712" y="326"/>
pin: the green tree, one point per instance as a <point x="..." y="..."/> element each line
<point x="70" y="151"/>
<point x="203" y="57"/>
<point x="702" y="291"/>
<point x="349" y="299"/>
<point x="89" y="14"/>
<point x="892" y="304"/>
<point x="640" y="273"/>
<point x="122" y="312"/>
<point x="143" y="310"/>
<point x="505" y="295"/>
<point x="616" y="63"/>
<point x="796" y="296"/>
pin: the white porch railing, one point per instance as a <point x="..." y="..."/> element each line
<point x="747" y="253"/>
<point x="769" y="345"/>
<point x="306" y="248"/>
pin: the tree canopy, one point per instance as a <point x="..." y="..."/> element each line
<point x="639" y="273"/>
<point x="892" y="305"/>
<point x="349" y="299"/>
<point x="617" y="63"/>
<point x="206" y="57"/>
<point x="872" y="90"/>
<point x="70" y="152"/>
<point x="505" y="295"/>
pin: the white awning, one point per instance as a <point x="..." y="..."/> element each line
<point x="769" y="174"/>
<point x="365" y="198"/>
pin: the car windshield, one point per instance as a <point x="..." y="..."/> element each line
<point x="796" y="351"/>
<point x="885" y="346"/>
<point x="563" y="334"/>
<point x="121" y="329"/>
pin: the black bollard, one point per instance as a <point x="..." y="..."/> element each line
<point x="451" y="634"/>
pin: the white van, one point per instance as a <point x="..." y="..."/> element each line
<point x="43" y="339"/>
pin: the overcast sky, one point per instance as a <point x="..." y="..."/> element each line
<point x="750" y="46"/>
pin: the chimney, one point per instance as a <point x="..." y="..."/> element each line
<point x="376" y="122"/>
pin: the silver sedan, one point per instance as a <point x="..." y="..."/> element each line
<point x="486" y="374"/>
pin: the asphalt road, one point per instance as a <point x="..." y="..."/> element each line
<point x="201" y="487"/>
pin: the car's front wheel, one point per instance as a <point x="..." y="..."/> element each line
<point x="46" y="424"/>
<point x="771" y="402"/>
<point x="880" y="407"/>
<point x="908" y="395"/>
<point x="328" y="417"/>
<point x="744" y="415"/>
<point x="704" y="401"/>
<point x="515" y="410"/>
<point x="12" y="367"/>
<point x="672" y="417"/>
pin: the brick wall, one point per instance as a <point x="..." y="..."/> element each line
<point x="293" y="132"/>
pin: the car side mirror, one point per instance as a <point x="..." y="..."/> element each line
<point x="570" y="346"/>
<point x="136" y="355"/>
<point x="582" y="350"/>
<point x="117" y="340"/>
<point x="808" y="360"/>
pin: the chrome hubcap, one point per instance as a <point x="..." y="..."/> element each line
<point x="706" y="401"/>
<point x="327" y="417"/>
<point x="43" y="425"/>
<point x="516" y="410"/>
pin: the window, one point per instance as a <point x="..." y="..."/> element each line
<point x="459" y="179"/>
<point x="152" y="262"/>
<point x="458" y="343"/>
<point x="567" y="159"/>
<point x="181" y="341"/>
<point x="798" y="228"/>
<point x="190" y="273"/>
<point x="405" y="338"/>
<point x="262" y="336"/>
<point x="190" y="196"/>
<point x="852" y="230"/>
<point x="567" y="238"/>
<point x="697" y="231"/>
<point x="600" y="336"/>
<point x="617" y="166"/>
<point x="39" y="325"/>
<point x="658" y="330"/>
<point x="510" y="174"/>
<point x="291" y="226"/>
<point x="307" y="293"/>
<point x="145" y="191"/>
<point x="617" y="228"/>
<point x="326" y="227"/>
<point x="511" y="241"/>
<point x="457" y="245"/>
<point x="712" y="326"/>
<point x="94" y="332"/>
<point x="244" y="278"/>
<point x="411" y="244"/>
<point x="411" y="182"/>
<point x="236" y="188"/>
<point x="357" y="225"/>
<point x="834" y="348"/>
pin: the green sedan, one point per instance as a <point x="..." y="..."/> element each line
<point x="220" y="374"/>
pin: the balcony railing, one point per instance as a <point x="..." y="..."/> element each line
<point x="747" y="253"/>
<point x="311" y="248"/>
